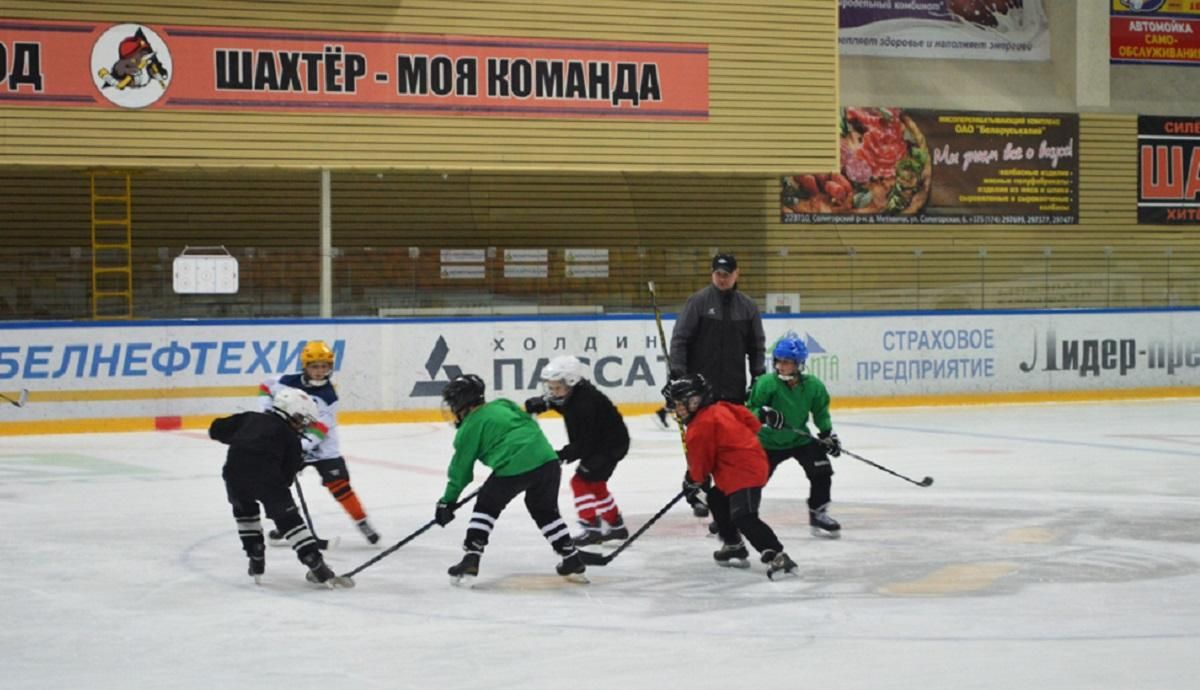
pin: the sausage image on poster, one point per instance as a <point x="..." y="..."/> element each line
<point x="916" y="166"/>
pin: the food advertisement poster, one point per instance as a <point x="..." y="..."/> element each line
<point x="955" y="29"/>
<point x="1164" y="32"/>
<point x="924" y="166"/>
<point x="1169" y="170"/>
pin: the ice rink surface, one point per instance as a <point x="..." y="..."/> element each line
<point x="1059" y="548"/>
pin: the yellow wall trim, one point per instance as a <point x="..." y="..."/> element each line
<point x="123" y="424"/>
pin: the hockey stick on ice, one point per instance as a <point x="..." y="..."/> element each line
<point x="592" y="558"/>
<point x="21" y="399"/>
<point x="927" y="481"/>
<point x="392" y="549"/>
<point x="322" y="544"/>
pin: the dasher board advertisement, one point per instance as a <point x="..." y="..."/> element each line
<point x="943" y="167"/>
<point x="133" y="65"/>
<point x="1169" y="170"/>
<point x="954" y="29"/>
<point x="1164" y="32"/>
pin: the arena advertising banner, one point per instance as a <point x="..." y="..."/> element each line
<point x="1168" y="170"/>
<point x="963" y="29"/>
<point x="389" y="367"/>
<point x="922" y="166"/>
<point x="131" y="65"/>
<point x="1165" y="32"/>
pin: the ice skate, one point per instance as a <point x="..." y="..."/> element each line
<point x="368" y="531"/>
<point x="822" y="525"/>
<point x="465" y="571"/>
<point x="660" y="419"/>
<point x="319" y="573"/>
<point x="258" y="563"/>
<point x="779" y="565"/>
<point x="591" y="532"/>
<point x="732" y="556"/>
<point x="276" y="538"/>
<point x="572" y="568"/>
<point x="616" y="532"/>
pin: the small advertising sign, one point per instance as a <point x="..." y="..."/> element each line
<point x="920" y="166"/>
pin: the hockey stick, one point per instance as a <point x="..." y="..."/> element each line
<point x="592" y="558"/>
<point x="21" y="399"/>
<point x="927" y="481"/>
<point x="392" y="549"/>
<point x="322" y="544"/>
<point x="662" y="340"/>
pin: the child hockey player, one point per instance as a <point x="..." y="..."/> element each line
<point x="503" y="437"/>
<point x="783" y="403"/>
<point x="263" y="458"/>
<point x="722" y="443"/>
<point x="321" y="449"/>
<point x="597" y="438"/>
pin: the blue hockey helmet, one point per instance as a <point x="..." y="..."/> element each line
<point x="791" y="346"/>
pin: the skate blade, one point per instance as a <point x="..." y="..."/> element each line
<point x="257" y="579"/>
<point x="739" y="563"/>
<point x="825" y="534"/>
<point x="778" y="575"/>
<point x="577" y="578"/>
<point x="463" y="581"/>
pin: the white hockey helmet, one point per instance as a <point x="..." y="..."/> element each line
<point x="566" y="370"/>
<point x="295" y="406"/>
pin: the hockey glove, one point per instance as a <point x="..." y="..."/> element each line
<point x="833" y="445"/>
<point x="444" y="513"/>
<point x="692" y="488"/>
<point x="770" y="417"/>
<point x="536" y="405"/>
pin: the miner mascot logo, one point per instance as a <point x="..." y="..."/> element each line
<point x="131" y="65"/>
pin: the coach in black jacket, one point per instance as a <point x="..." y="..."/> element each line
<point x="718" y="331"/>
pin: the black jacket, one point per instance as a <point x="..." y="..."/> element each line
<point x="594" y="426"/>
<point x="263" y="448"/>
<point x="714" y="335"/>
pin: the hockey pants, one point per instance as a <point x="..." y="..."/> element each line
<point x="540" y="487"/>
<point x="737" y="514"/>
<point x="817" y="468"/>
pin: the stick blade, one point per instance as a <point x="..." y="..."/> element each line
<point x="928" y="481"/>
<point x="592" y="558"/>
<point x="23" y="398"/>
<point x="650" y="284"/>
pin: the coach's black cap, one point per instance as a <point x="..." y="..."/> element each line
<point x="724" y="262"/>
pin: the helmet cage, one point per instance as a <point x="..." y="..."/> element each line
<point x="560" y="375"/>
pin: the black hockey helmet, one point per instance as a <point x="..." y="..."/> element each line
<point x="463" y="393"/>
<point x="693" y="390"/>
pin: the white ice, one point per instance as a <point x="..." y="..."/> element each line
<point x="1058" y="548"/>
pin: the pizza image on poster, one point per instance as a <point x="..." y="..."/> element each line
<point x="898" y="165"/>
<point x="885" y="168"/>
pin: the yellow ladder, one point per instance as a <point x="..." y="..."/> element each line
<point x="112" y="244"/>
